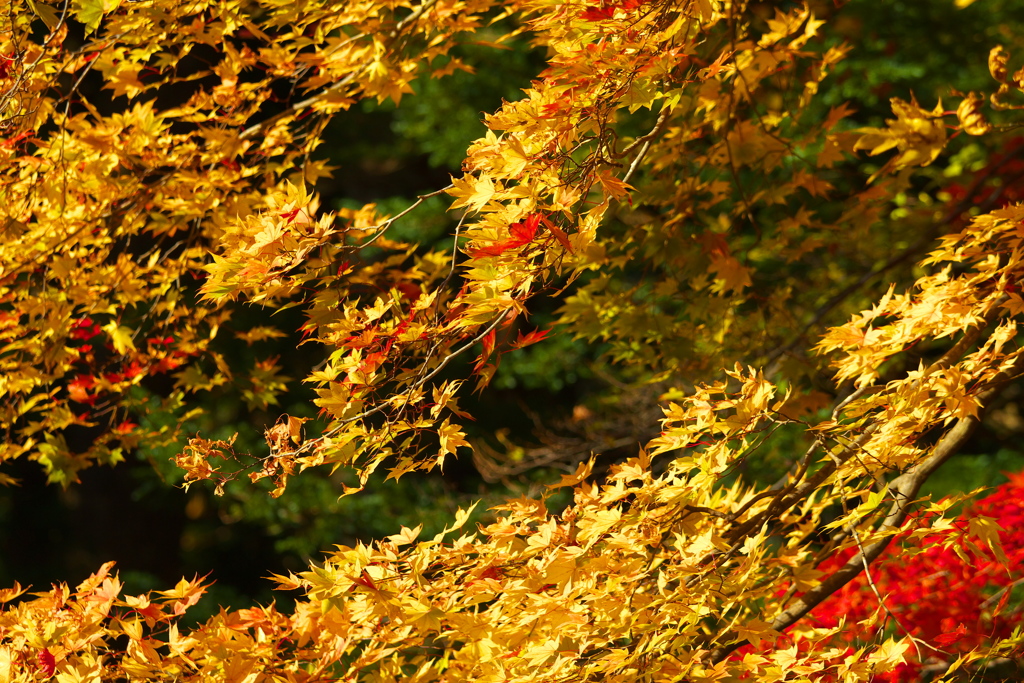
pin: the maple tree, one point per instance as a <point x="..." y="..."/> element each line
<point x="673" y="181"/>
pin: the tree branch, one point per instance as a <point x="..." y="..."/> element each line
<point x="904" y="490"/>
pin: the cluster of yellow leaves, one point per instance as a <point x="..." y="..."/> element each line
<point x="545" y="162"/>
<point x="110" y="219"/>
<point x="944" y="304"/>
<point x="919" y="136"/>
<point x="653" y="575"/>
<point x="646" y="577"/>
<point x="732" y="172"/>
<point x="222" y="198"/>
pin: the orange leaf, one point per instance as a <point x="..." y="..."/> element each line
<point x="531" y="338"/>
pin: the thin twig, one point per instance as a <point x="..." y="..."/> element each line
<point x="917" y="642"/>
<point x="381" y="228"/>
<point x="646" y="142"/>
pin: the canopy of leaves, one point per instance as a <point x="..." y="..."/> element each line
<point x="673" y="187"/>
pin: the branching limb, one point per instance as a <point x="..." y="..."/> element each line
<point x="645" y="144"/>
<point x="904" y="490"/>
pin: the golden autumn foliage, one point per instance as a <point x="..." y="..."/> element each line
<point x="671" y="174"/>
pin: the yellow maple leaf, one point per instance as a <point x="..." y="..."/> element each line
<point x="889" y="655"/>
<point x="450" y="437"/>
<point x="987" y="529"/>
<point x="120" y="337"/>
<point x="472" y="192"/>
<point x="918" y="134"/>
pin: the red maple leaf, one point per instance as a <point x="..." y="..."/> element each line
<point x="492" y="572"/>
<point x="598" y="13"/>
<point x="524" y="231"/>
<point x="78" y="389"/>
<point x="364" y="580"/>
<point x="488" y="344"/>
<point x="84" y="329"/>
<point x="951" y="637"/>
<point x="46" y="661"/>
<point x="134" y="369"/>
<point x="521" y="233"/>
<point x="125" y="427"/>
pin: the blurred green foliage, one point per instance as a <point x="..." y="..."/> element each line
<point x="921" y="49"/>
